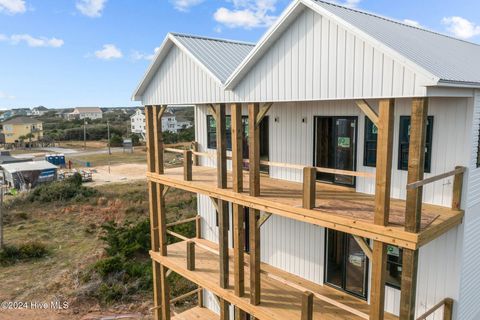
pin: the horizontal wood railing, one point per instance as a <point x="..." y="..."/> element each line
<point x="457" y="184"/>
<point x="447" y="305"/>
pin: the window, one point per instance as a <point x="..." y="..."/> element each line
<point x="478" y="149"/>
<point x="212" y="131"/>
<point x="404" y="141"/>
<point x="394" y="266"/>
<point x="370" y="148"/>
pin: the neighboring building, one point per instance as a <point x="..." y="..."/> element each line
<point x="81" y="113"/>
<point x="18" y="127"/>
<point x="24" y="175"/>
<point x="39" y="111"/>
<point x="169" y="123"/>
<point x="349" y="109"/>
<point x="6" y="158"/>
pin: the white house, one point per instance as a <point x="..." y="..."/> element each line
<point x="323" y="76"/>
<point x="39" y="111"/>
<point x="81" y="113"/>
<point x="169" y="123"/>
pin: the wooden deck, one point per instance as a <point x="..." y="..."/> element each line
<point x="337" y="207"/>
<point x="281" y="292"/>
<point x="197" y="313"/>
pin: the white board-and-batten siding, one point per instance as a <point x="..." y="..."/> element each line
<point x="315" y="58"/>
<point x="298" y="247"/>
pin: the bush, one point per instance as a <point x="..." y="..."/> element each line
<point x="69" y="189"/>
<point x="116" y="141"/>
<point x="24" y="252"/>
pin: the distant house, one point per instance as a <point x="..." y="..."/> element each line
<point x="39" y="111"/>
<point x="169" y="123"/>
<point x="22" y="175"/>
<point x="91" y="113"/>
<point x="16" y="128"/>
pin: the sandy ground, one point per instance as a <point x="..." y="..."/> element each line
<point x="118" y="173"/>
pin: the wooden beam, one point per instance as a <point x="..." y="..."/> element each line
<point x="307" y="306"/>
<point x="254" y="189"/>
<point x="408" y="284"/>
<point x="262" y="113"/>
<point x="187" y="165"/>
<point x="195" y="149"/>
<point x="458" y="170"/>
<point x="263" y="218"/>
<point x="190" y="255"/>
<point x="224" y="309"/>
<point x="457" y="188"/>
<point x="223" y="241"/>
<point x="213" y="111"/>
<point x="238" y="250"/>
<point x="221" y="147"/>
<point x="215" y="203"/>
<point x="369" y="112"/>
<point x="385" y="123"/>
<point x="165" y="190"/>
<point x="309" y="187"/>
<point x="158" y="138"/>
<point x="448" y="309"/>
<point x="198" y="227"/>
<point x="237" y="147"/>
<point x="362" y="242"/>
<point x="161" y="112"/>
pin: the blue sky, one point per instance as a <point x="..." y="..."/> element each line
<point x="66" y="53"/>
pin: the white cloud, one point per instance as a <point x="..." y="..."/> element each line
<point x="461" y="27"/>
<point x="137" y="55"/>
<point x="185" y="5"/>
<point x="347" y="3"/>
<point x="6" y="96"/>
<point x="12" y="6"/>
<point x="91" y="8"/>
<point x="33" y="41"/>
<point x="247" y="14"/>
<point x="109" y="52"/>
<point x="412" y="23"/>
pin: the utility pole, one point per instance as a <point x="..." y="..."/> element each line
<point x="84" y="133"/>
<point x="108" y="134"/>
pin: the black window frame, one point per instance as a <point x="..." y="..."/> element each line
<point x="212" y="131"/>
<point x="370" y="144"/>
<point x="404" y="144"/>
<point x="399" y="263"/>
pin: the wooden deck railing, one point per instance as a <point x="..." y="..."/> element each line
<point x="447" y="305"/>
<point x="457" y="184"/>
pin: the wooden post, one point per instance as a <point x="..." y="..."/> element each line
<point x="187" y="165"/>
<point x="382" y="205"/>
<point x="309" y="187"/>
<point x="237" y="183"/>
<point x="152" y="200"/>
<point x="448" y="309"/>
<point x="224" y="309"/>
<point x="307" y="306"/>
<point x="190" y="255"/>
<point x="457" y="190"/>
<point x="416" y="164"/>
<point x="254" y="189"/>
<point x="161" y="216"/>
<point x="200" y="298"/>
<point x="198" y="227"/>
<point x="195" y="149"/>
<point x="222" y="205"/>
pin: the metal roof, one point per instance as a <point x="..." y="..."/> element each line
<point x="448" y="58"/>
<point x="28" y="166"/>
<point x="22" y="120"/>
<point x="220" y="56"/>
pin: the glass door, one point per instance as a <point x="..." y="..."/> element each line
<point x="346" y="265"/>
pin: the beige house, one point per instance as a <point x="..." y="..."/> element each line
<point x="19" y="127"/>
<point x="91" y="113"/>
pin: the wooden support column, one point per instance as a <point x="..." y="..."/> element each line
<point x="195" y="149"/>
<point x="413" y="211"/>
<point x="187" y="165"/>
<point x="254" y="189"/>
<point x="448" y="309"/>
<point x="309" y="187"/>
<point x="307" y="306"/>
<point x="382" y="205"/>
<point x="222" y="205"/>
<point x="190" y="255"/>
<point x="161" y="216"/>
<point x="457" y="190"/>
<point x="238" y="226"/>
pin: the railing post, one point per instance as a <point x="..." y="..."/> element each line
<point x="198" y="227"/>
<point x="187" y="165"/>
<point x="195" y="149"/>
<point x="457" y="190"/>
<point x="307" y="306"/>
<point x="309" y="187"/>
<point x="190" y="255"/>
<point x="448" y="309"/>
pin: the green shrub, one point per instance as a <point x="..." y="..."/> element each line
<point x="108" y="293"/>
<point x="109" y="265"/>
<point x="23" y="252"/>
<point x="69" y="189"/>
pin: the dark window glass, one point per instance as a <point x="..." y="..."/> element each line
<point x="478" y="149"/>
<point x="404" y="141"/>
<point x="370" y="149"/>
<point x="212" y="131"/>
<point x="394" y="266"/>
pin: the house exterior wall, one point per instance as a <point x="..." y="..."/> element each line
<point x="287" y="244"/>
<point x="137" y="123"/>
<point x="13" y="132"/>
<point x="314" y="59"/>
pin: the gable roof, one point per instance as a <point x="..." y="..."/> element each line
<point x="88" y="110"/>
<point x="22" y="120"/>
<point x="219" y="57"/>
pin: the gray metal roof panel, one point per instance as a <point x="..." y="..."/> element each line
<point x="448" y="58"/>
<point x="220" y="56"/>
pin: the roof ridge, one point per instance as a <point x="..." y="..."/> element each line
<point x="177" y="34"/>
<point x="375" y="15"/>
